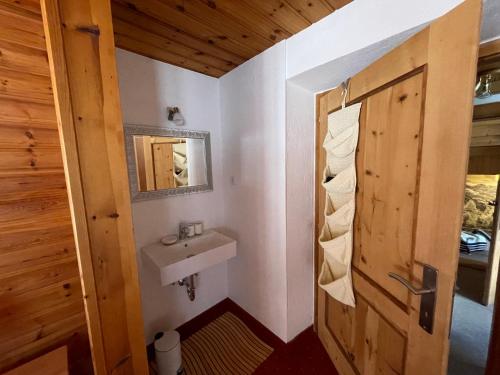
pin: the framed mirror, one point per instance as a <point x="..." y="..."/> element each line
<point x="165" y="162"/>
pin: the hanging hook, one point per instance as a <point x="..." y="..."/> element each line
<point x="345" y="91"/>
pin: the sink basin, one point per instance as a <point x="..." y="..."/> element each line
<point x="184" y="258"/>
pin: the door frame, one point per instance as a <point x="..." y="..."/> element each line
<point x="81" y="54"/>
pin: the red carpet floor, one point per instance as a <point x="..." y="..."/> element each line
<point x="303" y="355"/>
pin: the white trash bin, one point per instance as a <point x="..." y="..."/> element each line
<point x="168" y="353"/>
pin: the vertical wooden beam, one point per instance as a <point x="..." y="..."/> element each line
<point x="83" y="71"/>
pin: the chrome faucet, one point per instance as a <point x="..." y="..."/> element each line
<point x="183" y="230"/>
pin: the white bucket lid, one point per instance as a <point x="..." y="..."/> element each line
<point x="168" y="341"/>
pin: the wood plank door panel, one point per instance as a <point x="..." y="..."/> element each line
<point x="163" y="159"/>
<point x="411" y="165"/>
<point x="387" y="162"/>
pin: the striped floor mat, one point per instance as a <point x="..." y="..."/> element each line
<point x="225" y="346"/>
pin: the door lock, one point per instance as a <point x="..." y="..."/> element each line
<point x="427" y="293"/>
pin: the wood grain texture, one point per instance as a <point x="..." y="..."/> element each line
<point x="40" y="295"/>
<point x="163" y="160"/>
<point x="211" y="36"/>
<point x="84" y="78"/>
<point x="387" y="162"/>
<point x="489" y="48"/>
<point x="53" y="363"/>
<point x="401" y="216"/>
<point x="485" y="133"/>
<point x="484" y="160"/>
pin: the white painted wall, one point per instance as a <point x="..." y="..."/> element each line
<point x="348" y="40"/>
<point x="253" y="135"/>
<point x="300" y="156"/>
<point x="356" y="26"/>
<point x="147" y="87"/>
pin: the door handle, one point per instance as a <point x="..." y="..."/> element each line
<point x="427" y="293"/>
<point x="410" y="287"/>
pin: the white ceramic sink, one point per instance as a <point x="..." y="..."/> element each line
<point x="184" y="258"/>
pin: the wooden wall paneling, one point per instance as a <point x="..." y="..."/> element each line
<point x="484" y="160"/>
<point x="212" y="65"/>
<point x="337" y="4"/>
<point x="21" y="86"/>
<point x="230" y="28"/>
<point x="171" y="33"/>
<point x="282" y="13"/>
<point x="22" y="58"/>
<point x="83" y="71"/>
<point x="20" y="37"/>
<point x="489" y="48"/>
<point x="36" y="247"/>
<point x="41" y="302"/>
<point x="21" y="19"/>
<point x="17" y="282"/>
<point x="487" y="111"/>
<point x="26" y="137"/>
<point x="485" y="133"/>
<point x="162" y="12"/>
<point x="163" y="54"/>
<point x="54" y="363"/>
<point x="16" y="112"/>
<point x="37" y="311"/>
<point x="30" y="158"/>
<point x="250" y="18"/>
<point x="26" y="6"/>
<point x="208" y="31"/>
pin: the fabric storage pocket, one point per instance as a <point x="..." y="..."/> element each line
<point x="335" y="276"/>
<point x="341" y="188"/>
<point x="341" y="150"/>
<point x="339" y="181"/>
<point x="342" y="145"/>
<point x="343" y="119"/>
<point x="338" y="222"/>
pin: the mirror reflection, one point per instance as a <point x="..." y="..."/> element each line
<point x="165" y="162"/>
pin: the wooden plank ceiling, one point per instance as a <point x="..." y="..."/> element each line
<point x="211" y="36"/>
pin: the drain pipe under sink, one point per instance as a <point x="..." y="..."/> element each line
<point x="189" y="282"/>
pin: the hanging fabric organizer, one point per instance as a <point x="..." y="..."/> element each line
<point x="339" y="181"/>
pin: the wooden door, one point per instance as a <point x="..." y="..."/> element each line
<point x="411" y="164"/>
<point x="163" y="158"/>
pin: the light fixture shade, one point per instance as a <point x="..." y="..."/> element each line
<point x="178" y="119"/>
<point x="175" y="116"/>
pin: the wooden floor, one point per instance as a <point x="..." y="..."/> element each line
<point x="303" y="355"/>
